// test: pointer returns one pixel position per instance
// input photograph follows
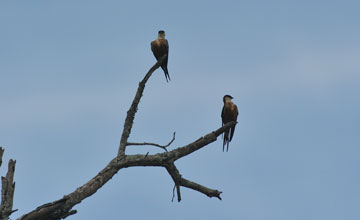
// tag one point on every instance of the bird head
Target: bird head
(161, 34)
(227, 98)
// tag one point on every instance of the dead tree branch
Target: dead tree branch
(153, 144)
(134, 106)
(199, 143)
(195, 186)
(179, 181)
(62, 208)
(47, 211)
(7, 189)
(176, 176)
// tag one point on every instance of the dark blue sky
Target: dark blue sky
(69, 71)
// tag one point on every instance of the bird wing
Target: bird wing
(166, 48)
(235, 112)
(160, 48)
(154, 49)
(234, 115)
(223, 115)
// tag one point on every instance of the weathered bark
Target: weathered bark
(7, 189)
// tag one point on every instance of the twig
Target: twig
(153, 144)
(15, 210)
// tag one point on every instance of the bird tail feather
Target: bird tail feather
(167, 76)
(226, 140)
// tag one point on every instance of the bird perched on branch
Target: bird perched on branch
(160, 47)
(229, 113)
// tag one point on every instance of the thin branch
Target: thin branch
(195, 186)
(153, 144)
(180, 181)
(176, 176)
(133, 108)
(160, 159)
(15, 210)
(199, 143)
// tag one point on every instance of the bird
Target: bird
(229, 113)
(160, 47)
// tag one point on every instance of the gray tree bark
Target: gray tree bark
(63, 207)
(7, 189)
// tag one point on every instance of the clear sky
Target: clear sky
(69, 71)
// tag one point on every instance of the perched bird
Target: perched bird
(229, 113)
(160, 47)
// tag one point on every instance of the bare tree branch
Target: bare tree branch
(198, 144)
(7, 189)
(153, 144)
(195, 186)
(133, 108)
(176, 176)
(179, 181)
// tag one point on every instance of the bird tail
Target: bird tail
(167, 76)
(226, 140)
(232, 132)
